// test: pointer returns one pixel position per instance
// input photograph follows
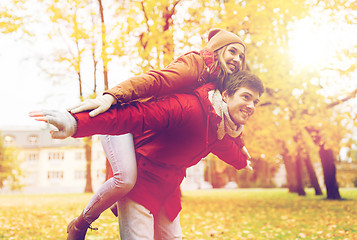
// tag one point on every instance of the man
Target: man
(171, 134)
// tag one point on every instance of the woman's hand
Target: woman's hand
(100, 105)
(63, 121)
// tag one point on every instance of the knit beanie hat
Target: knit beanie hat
(218, 38)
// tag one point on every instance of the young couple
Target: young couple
(164, 136)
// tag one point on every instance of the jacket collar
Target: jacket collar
(202, 93)
(208, 75)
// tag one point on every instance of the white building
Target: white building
(59, 165)
(195, 178)
(53, 165)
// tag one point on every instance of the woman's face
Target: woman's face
(233, 57)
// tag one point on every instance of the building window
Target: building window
(9, 140)
(33, 139)
(33, 157)
(100, 174)
(79, 156)
(31, 177)
(79, 175)
(55, 175)
(56, 156)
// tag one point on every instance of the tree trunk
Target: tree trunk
(104, 47)
(312, 175)
(95, 63)
(298, 164)
(290, 174)
(299, 176)
(328, 164)
(329, 170)
(88, 152)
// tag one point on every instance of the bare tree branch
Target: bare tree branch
(350, 96)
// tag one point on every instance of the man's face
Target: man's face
(233, 57)
(241, 105)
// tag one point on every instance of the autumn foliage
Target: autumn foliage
(307, 112)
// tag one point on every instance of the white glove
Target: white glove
(62, 120)
(249, 167)
(246, 153)
(99, 104)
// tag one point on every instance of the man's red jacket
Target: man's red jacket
(171, 134)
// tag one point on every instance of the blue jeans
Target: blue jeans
(120, 152)
(137, 223)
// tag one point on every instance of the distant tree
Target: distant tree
(11, 19)
(72, 23)
(149, 31)
(295, 98)
(352, 151)
(10, 171)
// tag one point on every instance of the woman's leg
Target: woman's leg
(120, 152)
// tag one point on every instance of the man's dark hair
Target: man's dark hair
(241, 79)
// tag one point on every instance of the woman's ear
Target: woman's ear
(224, 96)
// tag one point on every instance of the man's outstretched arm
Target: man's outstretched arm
(65, 123)
(133, 118)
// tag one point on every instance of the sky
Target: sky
(25, 87)
(24, 84)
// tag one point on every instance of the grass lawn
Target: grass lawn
(216, 214)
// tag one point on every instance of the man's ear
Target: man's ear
(224, 96)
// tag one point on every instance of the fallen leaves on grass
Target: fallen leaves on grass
(217, 214)
(267, 214)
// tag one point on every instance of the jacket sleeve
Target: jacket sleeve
(229, 151)
(183, 73)
(135, 118)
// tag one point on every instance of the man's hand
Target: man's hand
(63, 121)
(100, 105)
(246, 153)
(249, 167)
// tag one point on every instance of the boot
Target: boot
(77, 228)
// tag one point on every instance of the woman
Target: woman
(223, 55)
